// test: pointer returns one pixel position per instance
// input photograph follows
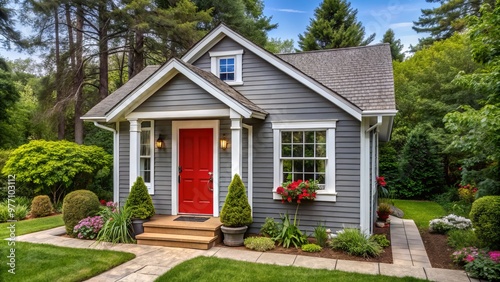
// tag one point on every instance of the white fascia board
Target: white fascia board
(305, 124)
(372, 113)
(97, 119)
(179, 114)
(209, 41)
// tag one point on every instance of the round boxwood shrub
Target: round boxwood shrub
(485, 216)
(41, 206)
(78, 205)
(236, 211)
(139, 201)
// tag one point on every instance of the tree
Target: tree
(396, 46)
(7, 32)
(278, 46)
(443, 21)
(8, 93)
(334, 26)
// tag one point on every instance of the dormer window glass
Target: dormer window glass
(226, 69)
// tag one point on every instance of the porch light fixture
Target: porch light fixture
(160, 144)
(223, 142)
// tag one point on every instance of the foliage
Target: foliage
(451, 202)
(450, 222)
(485, 216)
(89, 227)
(139, 201)
(311, 248)
(383, 192)
(421, 168)
(8, 94)
(32, 225)
(116, 228)
(381, 239)
(420, 211)
(334, 26)
(384, 208)
(396, 46)
(78, 205)
(55, 166)
(356, 243)
(260, 244)
(298, 190)
(41, 206)
(467, 193)
(270, 228)
(481, 264)
(458, 239)
(236, 211)
(12, 211)
(290, 232)
(320, 235)
(278, 46)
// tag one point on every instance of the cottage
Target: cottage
(228, 106)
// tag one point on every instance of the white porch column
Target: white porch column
(236, 144)
(135, 140)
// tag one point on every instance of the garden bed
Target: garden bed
(438, 251)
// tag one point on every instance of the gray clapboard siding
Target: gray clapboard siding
(124, 148)
(162, 198)
(286, 99)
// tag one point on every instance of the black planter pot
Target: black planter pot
(137, 226)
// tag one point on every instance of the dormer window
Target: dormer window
(227, 66)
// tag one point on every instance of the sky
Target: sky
(293, 17)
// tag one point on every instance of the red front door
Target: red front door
(195, 171)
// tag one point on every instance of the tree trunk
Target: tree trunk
(61, 119)
(79, 76)
(103, 51)
(138, 53)
(71, 41)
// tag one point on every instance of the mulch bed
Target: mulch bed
(438, 251)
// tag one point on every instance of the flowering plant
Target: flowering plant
(467, 193)
(89, 227)
(382, 190)
(103, 202)
(298, 190)
(449, 222)
(479, 263)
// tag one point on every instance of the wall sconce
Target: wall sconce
(160, 144)
(223, 142)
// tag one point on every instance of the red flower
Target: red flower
(289, 199)
(280, 190)
(381, 181)
(103, 202)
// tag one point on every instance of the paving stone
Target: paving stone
(313, 262)
(422, 264)
(399, 251)
(399, 261)
(445, 275)
(138, 277)
(402, 271)
(415, 252)
(357, 266)
(279, 259)
(416, 258)
(211, 252)
(154, 270)
(238, 254)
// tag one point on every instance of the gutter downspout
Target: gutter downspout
(379, 123)
(116, 194)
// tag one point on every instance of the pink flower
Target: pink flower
(469, 258)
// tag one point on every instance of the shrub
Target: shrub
(484, 266)
(458, 239)
(139, 201)
(320, 235)
(290, 233)
(4, 213)
(485, 215)
(89, 227)
(450, 222)
(467, 193)
(260, 244)
(356, 243)
(311, 248)
(116, 228)
(20, 212)
(41, 206)
(381, 239)
(78, 205)
(465, 255)
(270, 228)
(236, 211)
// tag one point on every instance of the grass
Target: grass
(215, 269)
(41, 262)
(420, 211)
(31, 225)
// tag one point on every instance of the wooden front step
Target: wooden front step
(162, 230)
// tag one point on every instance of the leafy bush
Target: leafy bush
(19, 200)
(484, 266)
(41, 206)
(4, 213)
(236, 211)
(20, 212)
(381, 239)
(320, 235)
(485, 215)
(89, 227)
(78, 205)
(116, 228)
(139, 201)
(450, 222)
(311, 248)
(356, 243)
(260, 244)
(458, 239)
(270, 228)
(290, 233)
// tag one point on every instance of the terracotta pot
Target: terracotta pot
(383, 215)
(233, 236)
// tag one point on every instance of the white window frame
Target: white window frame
(149, 185)
(329, 193)
(238, 64)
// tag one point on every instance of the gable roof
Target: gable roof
(362, 75)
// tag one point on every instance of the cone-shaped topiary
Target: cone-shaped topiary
(78, 205)
(139, 201)
(236, 211)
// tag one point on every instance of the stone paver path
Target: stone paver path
(406, 243)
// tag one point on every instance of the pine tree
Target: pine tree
(396, 46)
(334, 26)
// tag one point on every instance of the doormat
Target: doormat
(191, 218)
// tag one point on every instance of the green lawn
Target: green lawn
(220, 270)
(41, 262)
(420, 211)
(31, 225)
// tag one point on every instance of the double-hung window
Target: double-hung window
(305, 150)
(146, 166)
(227, 66)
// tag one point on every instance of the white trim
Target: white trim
(379, 112)
(180, 114)
(250, 164)
(364, 181)
(176, 125)
(150, 185)
(103, 119)
(217, 34)
(135, 139)
(226, 53)
(327, 195)
(236, 144)
(238, 64)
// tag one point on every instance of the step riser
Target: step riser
(188, 245)
(178, 231)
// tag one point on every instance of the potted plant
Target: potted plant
(140, 205)
(383, 211)
(236, 214)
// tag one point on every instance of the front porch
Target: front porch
(170, 231)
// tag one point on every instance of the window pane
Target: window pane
(223, 61)
(230, 76)
(309, 151)
(223, 76)
(230, 61)
(145, 143)
(145, 169)
(297, 136)
(320, 165)
(309, 176)
(146, 124)
(298, 151)
(230, 68)
(287, 166)
(320, 136)
(320, 178)
(320, 151)
(286, 151)
(309, 136)
(286, 137)
(309, 166)
(298, 166)
(223, 69)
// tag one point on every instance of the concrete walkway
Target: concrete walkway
(151, 261)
